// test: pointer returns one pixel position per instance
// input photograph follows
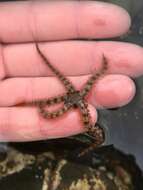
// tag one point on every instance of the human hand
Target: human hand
(24, 77)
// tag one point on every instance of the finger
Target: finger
(25, 124)
(112, 91)
(24, 60)
(107, 92)
(47, 21)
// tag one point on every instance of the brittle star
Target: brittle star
(72, 99)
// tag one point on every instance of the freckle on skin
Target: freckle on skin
(99, 22)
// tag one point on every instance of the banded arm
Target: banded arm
(91, 81)
(67, 84)
(54, 114)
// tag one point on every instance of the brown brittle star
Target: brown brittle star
(72, 99)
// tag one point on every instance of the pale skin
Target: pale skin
(24, 77)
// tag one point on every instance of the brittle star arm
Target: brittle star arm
(67, 84)
(54, 114)
(49, 102)
(94, 131)
(43, 102)
(83, 106)
(89, 84)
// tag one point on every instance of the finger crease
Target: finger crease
(3, 67)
